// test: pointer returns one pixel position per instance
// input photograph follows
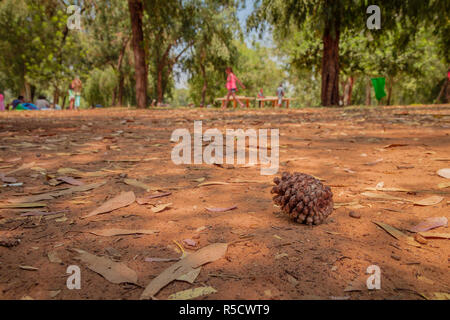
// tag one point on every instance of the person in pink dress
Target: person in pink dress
(232, 87)
(2, 102)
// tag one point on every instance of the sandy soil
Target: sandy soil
(350, 149)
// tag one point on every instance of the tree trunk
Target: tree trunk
(205, 85)
(391, 83)
(26, 91)
(121, 85)
(443, 90)
(55, 96)
(330, 63)
(159, 83)
(368, 93)
(348, 91)
(136, 8)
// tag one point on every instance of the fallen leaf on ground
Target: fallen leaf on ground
(430, 223)
(205, 255)
(444, 173)
(23, 205)
(138, 184)
(373, 162)
(190, 276)
(78, 173)
(397, 234)
(389, 189)
(28, 268)
(147, 199)
(122, 200)
(212, 183)
(192, 293)
(54, 293)
(345, 204)
(121, 232)
(40, 213)
(431, 235)
(71, 181)
(436, 296)
(114, 272)
(161, 207)
(22, 167)
(221, 209)
(381, 196)
(161, 259)
(431, 201)
(52, 195)
(393, 145)
(443, 185)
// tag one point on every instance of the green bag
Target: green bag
(378, 85)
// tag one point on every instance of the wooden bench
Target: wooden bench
(274, 101)
(245, 100)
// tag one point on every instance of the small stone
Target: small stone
(355, 215)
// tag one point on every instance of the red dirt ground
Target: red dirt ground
(276, 259)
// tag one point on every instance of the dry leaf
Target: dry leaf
(121, 232)
(443, 185)
(190, 276)
(205, 255)
(430, 223)
(122, 200)
(161, 207)
(221, 209)
(161, 259)
(212, 183)
(444, 173)
(28, 268)
(397, 234)
(389, 189)
(115, 272)
(381, 196)
(393, 145)
(23, 205)
(437, 296)
(71, 181)
(135, 183)
(52, 195)
(147, 199)
(431, 235)
(431, 201)
(22, 167)
(192, 293)
(41, 213)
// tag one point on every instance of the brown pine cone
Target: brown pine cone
(304, 198)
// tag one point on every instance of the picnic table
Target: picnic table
(245, 100)
(274, 101)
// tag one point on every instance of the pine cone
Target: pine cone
(304, 198)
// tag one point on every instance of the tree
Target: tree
(136, 9)
(333, 17)
(213, 49)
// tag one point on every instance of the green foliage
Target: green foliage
(100, 86)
